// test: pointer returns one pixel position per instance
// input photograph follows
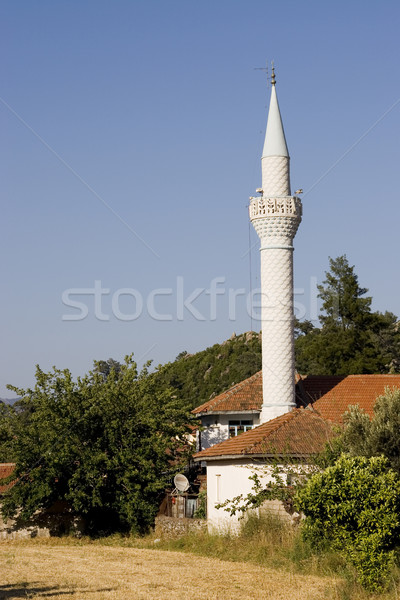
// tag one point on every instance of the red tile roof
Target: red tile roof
(330, 394)
(310, 388)
(5, 471)
(354, 389)
(246, 395)
(299, 433)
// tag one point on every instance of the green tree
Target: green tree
(102, 444)
(106, 366)
(7, 418)
(352, 338)
(378, 436)
(354, 508)
(341, 297)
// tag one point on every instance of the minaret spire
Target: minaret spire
(275, 156)
(276, 216)
(275, 141)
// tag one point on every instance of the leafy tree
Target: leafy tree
(302, 327)
(341, 298)
(102, 444)
(7, 416)
(354, 507)
(363, 436)
(352, 338)
(386, 339)
(106, 366)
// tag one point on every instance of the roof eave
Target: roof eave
(293, 455)
(247, 411)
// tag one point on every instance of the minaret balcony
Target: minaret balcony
(288, 206)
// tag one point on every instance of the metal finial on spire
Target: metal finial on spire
(275, 143)
(273, 79)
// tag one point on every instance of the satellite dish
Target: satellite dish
(181, 482)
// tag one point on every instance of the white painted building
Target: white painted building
(299, 433)
(296, 436)
(224, 479)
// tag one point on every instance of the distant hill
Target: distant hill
(9, 400)
(198, 377)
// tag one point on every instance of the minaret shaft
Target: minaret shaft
(276, 216)
(277, 332)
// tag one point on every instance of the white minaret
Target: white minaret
(276, 216)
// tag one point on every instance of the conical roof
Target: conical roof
(275, 141)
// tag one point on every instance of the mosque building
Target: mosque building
(278, 413)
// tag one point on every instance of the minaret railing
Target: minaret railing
(285, 205)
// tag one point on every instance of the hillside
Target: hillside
(9, 400)
(198, 377)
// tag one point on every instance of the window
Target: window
(236, 427)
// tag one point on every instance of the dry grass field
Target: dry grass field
(52, 570)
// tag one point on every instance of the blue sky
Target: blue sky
(131, 141)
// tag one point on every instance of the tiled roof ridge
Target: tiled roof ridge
(310, 389)
(281, 422)
(360, 375)
(355, 375)
(311, 408)
(357, 389)
(300, 413)
(239, 385)
(227, 393)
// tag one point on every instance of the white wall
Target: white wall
(225, 480)
(216, 427)
(212, 433)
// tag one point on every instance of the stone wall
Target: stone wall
(55, 521)
(172, 527)
(11, 529)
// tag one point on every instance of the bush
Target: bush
(354, 507)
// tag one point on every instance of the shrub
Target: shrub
(354, 507)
